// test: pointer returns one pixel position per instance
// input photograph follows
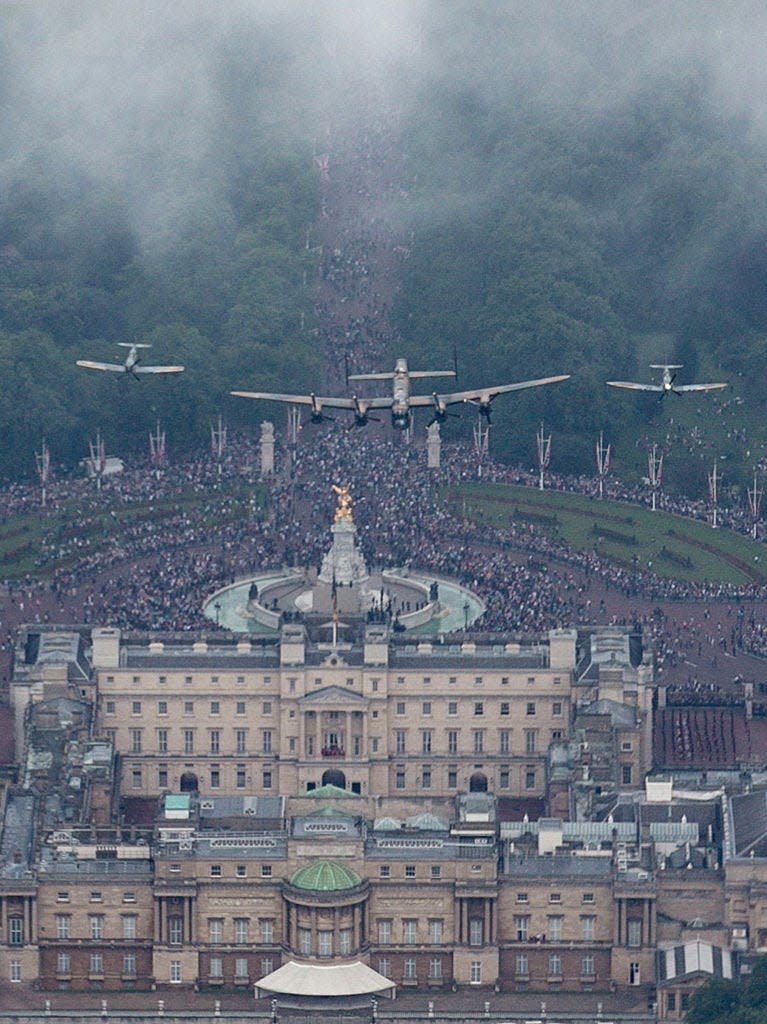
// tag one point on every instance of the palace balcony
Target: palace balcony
(333, 751)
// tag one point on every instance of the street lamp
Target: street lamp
(466, 607)
(217, 607)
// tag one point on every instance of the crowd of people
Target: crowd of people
(204, 520)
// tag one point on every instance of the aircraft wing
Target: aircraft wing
(91, 365)
(699, 387)
(158, 369)
(634, 387)
(316, 401)
(484, 394)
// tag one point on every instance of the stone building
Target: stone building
(287, 715)
(207, 811)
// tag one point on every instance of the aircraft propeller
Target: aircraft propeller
(361, 414)
(316, 414)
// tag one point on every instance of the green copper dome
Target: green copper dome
(325, 876)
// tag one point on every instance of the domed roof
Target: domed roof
(325, 876)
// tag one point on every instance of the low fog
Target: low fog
(150, 107)
(582, 186)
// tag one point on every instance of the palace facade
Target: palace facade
(203, 810)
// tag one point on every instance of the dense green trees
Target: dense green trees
(575, 204)
(588, 218)
(227, 298)
(720, 1001)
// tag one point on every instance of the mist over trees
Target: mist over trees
(587, 213)
(585, 194)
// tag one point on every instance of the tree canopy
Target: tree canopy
(577, 199)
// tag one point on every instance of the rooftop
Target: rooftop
(325, 876)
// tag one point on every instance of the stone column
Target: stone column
(267, 448)
(433, 446)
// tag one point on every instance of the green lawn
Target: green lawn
(629, 535)
(22, 536)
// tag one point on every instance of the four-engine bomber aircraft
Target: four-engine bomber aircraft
(401, 402)
(132, 362)
(667, 382)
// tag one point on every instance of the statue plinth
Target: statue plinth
(344, 563)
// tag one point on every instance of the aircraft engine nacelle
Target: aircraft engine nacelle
(316, 413)
(485, 409)
(440, 409)
(360, 412)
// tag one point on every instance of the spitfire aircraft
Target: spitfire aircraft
(401, 402)
(667, 382)
(132, 363)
